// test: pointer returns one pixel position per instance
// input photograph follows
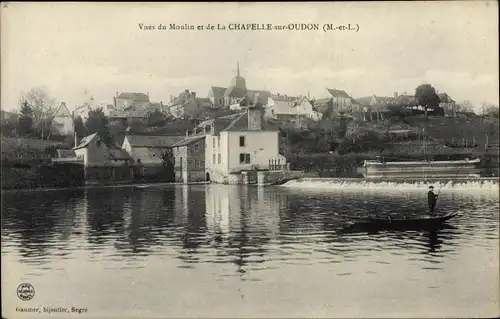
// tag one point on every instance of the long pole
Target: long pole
(74, 127)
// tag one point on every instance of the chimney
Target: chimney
(187, 133)
(147, 93)
(395, 94)
(406, 93)
(194, 131)
(193, 95)
(116, 94)
(171, 98)
(255, 118)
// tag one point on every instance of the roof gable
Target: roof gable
(303, 99)
(240, 124)
(445, 98)
(218, 90)
(338, 93)
(62, 111)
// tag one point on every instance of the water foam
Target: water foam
(484, 185)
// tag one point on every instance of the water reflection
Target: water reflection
(249, 227)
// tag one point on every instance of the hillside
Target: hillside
(441, 134)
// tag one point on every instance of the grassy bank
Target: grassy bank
(41, 176)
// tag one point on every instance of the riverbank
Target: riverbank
(99, 186)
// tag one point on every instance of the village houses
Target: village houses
(283, 107)
(342, 102)
(448, 104)
(230, 97)
(376, 106)
(124, 101)
(188, 106)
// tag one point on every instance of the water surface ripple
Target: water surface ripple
(232, 251)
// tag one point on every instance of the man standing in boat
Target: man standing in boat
(431, 198)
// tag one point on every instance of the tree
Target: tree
(352, 131)
(79, 127)
(465, 106)
(156, 117)
(43, 107)
(9, 127)
(25, 121)
(97, 122)
(427, 97)
(167, 161)
(489, 110)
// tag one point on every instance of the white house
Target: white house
(63, 120)
(280, 105)
(304, 108)
(241, 142)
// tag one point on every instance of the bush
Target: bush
(361, 142)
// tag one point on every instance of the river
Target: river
(237, 251)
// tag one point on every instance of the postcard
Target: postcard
(237, 160)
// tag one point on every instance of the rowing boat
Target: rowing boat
(428, 221)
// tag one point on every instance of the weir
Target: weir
(486, 184)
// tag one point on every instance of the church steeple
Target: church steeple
(237, 68)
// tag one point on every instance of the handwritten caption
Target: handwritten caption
(325, 27)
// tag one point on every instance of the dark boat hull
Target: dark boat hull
(402, 223)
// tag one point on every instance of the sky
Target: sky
(78, 50)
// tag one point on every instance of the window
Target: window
(213, 159)
(195, 163)
(98, 143)
(219, 158)
(244, 158)
(213, 145)
(218, 142)
(242, 141)
(180, 161)
(196, 147)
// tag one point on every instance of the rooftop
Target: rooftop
(86, 141)
(159, 141)
(189, 140)
(138, 97)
